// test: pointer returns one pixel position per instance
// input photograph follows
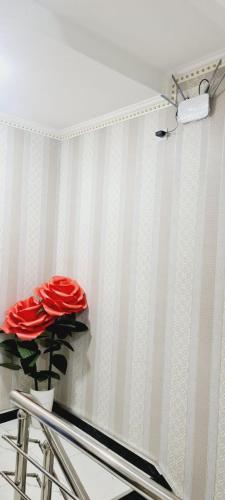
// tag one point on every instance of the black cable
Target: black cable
(199, 87)
(173, 130)
(165, 133)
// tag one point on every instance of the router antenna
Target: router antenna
(178, 87)
(213, 76)
(169, 100)
(217, 86)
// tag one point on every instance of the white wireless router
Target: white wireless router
(195, 108)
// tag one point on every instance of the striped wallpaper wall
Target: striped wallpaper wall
(29, 185)
(141, 224)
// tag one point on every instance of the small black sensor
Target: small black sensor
(161, 133)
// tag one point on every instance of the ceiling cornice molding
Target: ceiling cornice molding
(196, 70)
(118, 116)
(123, 114)
(29, 126)
(204, 64)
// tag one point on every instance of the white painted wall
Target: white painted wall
(141, 225)
(29, 182)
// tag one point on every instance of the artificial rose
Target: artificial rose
(61, 296)
(27, 319)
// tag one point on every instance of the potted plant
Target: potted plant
(39, 327)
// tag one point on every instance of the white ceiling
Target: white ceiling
(164, 33)
(66, 61)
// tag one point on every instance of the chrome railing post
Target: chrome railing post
(118, 466)
(36, 464)
(65, 464)
(22, 443)
(48, 461)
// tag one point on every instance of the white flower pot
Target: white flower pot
(43, 398)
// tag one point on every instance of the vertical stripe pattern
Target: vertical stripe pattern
(148, 245)
(180, 329)
(29, 176)
(140, 224)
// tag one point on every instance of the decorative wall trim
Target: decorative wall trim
(207, 68)
(29, 126)
(123, 114)
(120, 115)
(197, 72)
(211, 60)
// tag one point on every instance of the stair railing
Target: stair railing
(53, 427)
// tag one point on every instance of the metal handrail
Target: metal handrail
(40, 468)
(118, 466)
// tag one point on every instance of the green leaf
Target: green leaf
(27, 349)
(62, 333)
(60, 362)
(10, 366)
(80, 327)
(67, 325)
(10, 345)
(68, 319)
(56, 346)
(53, 348)
(25, 366)
(33, 359)
(35, 375)
(29, 362)
(43, 375)
(55, 375)
(66, 344)
(31, 345)
(33, 362)
(25, 353)
(45, 342)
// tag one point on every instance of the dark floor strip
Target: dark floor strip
(8, 415)
(113, 445)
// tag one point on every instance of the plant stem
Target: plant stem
(35, 379)
(50, 361)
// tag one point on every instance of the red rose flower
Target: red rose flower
(61, 296)
(27, 319)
